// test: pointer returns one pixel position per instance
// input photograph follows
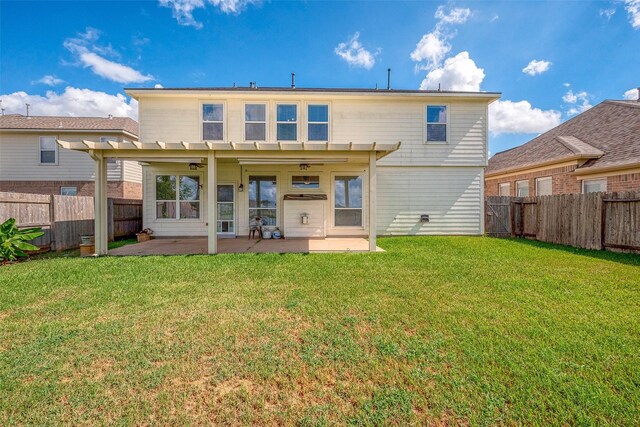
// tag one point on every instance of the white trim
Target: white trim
(266, 120)
(447, 123)
(55, 150)
(202, 121)
(541, 179)
(601, 180)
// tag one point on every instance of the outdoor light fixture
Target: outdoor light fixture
(304, 166)
(241, 187)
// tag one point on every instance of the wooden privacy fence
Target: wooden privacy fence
(65, 218)
(591, 221)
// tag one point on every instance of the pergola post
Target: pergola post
(212, 207)
(100, 204)
(372, 201)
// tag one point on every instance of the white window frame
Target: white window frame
(203, 121)
(528, 188)
(543, 178)
(365, 201)
(276, 122)
(506, 185)
(601, 180)
(328, 122)
(62, 190)
(178, 175)
(248, 174)
(245, 121)
(425, 123)
(55, 150)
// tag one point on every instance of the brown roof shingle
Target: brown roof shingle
(607, 134)
(17, 121)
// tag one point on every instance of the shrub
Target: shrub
(13, 241)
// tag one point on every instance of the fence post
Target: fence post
(603, 221)
(52, 223)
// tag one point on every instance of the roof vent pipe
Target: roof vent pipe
(388, 78)
(27, 105)
(293, 80)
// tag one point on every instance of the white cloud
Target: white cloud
(457, 73)
(633, 9)
(536, 67)
(456, 15)
(520, 117)
(631, 94)
(183, 9)
(355, 54)
(87, 53)
(566, 84)
(72, 102)
(433, 47)
(579, 102)
(607, 13)
(158, 86)
(48, 80)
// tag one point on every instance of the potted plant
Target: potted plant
(144, 235)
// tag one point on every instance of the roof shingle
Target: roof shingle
(17, 121)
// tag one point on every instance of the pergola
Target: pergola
(244, 152)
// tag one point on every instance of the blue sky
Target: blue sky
(550, 59)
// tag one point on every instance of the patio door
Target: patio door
(226, 209)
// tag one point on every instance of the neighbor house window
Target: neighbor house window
(504, 189)
(263, 193)
(318, 122)
(255, 122)
(436, 123)
(48, 150)
(348, 201)
(110, 160)
(212, 122)
(522, 188)
(287, 122)
(543, 186)
(594, 185)
(177, 197)
(68, 191)
(308, 182)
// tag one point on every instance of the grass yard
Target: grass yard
(441, 330)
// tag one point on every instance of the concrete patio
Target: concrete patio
(198, 245)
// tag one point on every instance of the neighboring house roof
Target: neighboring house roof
(605, 136)
(62, 123)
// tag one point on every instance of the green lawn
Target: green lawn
(442, 330)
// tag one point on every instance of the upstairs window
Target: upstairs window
(436, 123)
(255, 122)
(48, 150)
(318, 122)
(287, 122)
(213, 122)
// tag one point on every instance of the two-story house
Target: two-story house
(312, 162)
(31, 161)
